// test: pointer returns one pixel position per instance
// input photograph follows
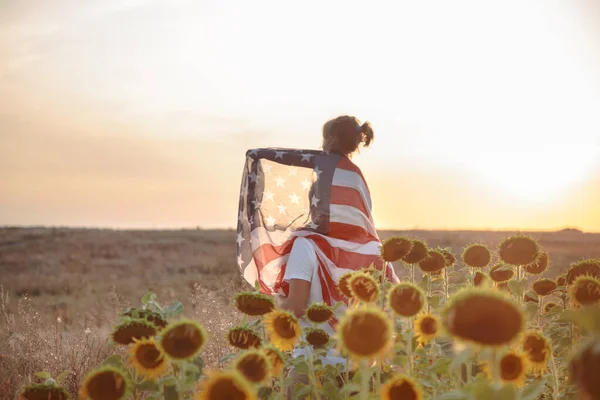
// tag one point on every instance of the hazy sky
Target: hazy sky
(134, 113)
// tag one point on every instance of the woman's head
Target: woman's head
(345, 133)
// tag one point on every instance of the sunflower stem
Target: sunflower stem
(555, 389)
(409, 346)
(446, 283)
(412, 273)
(364, 380)
(494, 369)
(311, 370)
(378, 376)
(282, 392)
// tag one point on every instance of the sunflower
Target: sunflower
(147, 359)
(243, 338)
(543, 287)
(484, 317)
(395, 248)
(182, 340)
(479, 278)
(254, 365)
(319, 313)
(503, 286)
(538, 266)
(43, 391)
(513, 368)
(277, 361)
(561, 280)
(501, 275)
(365, 332)
(584, 267)
(363, 287)
(401, 387)
(127, 332)
(584, 366)
(283, 329)
(406, 299)
(537, 349)
(530, 297)
(343, 286)
(585, 291)
(254, 303)
(427, 327)
(106, 383)
(226, 385)
(450, 259)
(518, 250)
(317, 337)
(434, 262)
(149, 315)
(418, 252)
(477, 256)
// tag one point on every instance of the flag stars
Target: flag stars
(280, 181)
(317, 171)
(293, 171)
(256, 204)
(241, 216)
(279, 154)
(253, 177)
(270, 220)
(312, 225)
(240, 239)
(294, 198)
(267, 169)
(306, 157)
(269, 195)
(282, 209)
(314, 201)
(305, 184)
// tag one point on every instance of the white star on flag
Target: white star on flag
(270, 220)
(240, 239)
(267, 169)
(253, 177)
(254, 152)
(318, 171)
(293, 171)
(279, 154)
(240, 261)
(256, 204)
(282, 209)
(305, 184)
(269, 195)
(306, 157)
(241, 216)
(280, 181)
(294, 198)
(314, 201)
(312, 225)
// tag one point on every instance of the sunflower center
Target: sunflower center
(417, 253)
(429, 326)
(402, 391)
(343, 286)
(544, 287)
(125, 334)
(519, 251)
(252, 305)
(433, 263)
(406, 301)
(106, 385)
(182, 341)
(226, 389)
(253, 367)
(364, 289)
(587, 292)
(317, 338)
(535, 347)
(365, 325)
(511, 367)
(243, 339)
(486, 320)
(284, 327)
(477, 256)
(148, 356)
(319, 314)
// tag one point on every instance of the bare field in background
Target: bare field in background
(63, 288)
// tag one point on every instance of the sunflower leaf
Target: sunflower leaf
(226, 358)
(532, 391)
(114, 360)
(147, 386)
(61, 377)
(173, 310)
(43, 375)
(301, 390)
(453, 395)
(170, 392)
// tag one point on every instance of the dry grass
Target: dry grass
(62, 288)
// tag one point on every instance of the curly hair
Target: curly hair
(345, 133)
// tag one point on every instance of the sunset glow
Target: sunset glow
(138, 113)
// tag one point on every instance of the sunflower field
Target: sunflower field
(482, 325)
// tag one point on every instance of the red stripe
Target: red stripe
(268, 252)
(347, 196)
(348, 165)
(351, 233)
(344, 258)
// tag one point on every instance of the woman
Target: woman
(300, 255)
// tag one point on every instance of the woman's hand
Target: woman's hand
(297, 299)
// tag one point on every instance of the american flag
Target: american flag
(322, 196)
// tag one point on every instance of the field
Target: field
(63, 289)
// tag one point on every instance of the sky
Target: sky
(138, 113)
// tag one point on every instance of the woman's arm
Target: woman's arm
(297, 299)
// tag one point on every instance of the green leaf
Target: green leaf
(227, 358)
(61, 377)
(114, 360)
(257, 285)
(434, 301)
(301, 390)
(350, 388)
(43, 375)
(453, 395)
(587, 318)
(302, 368)
(461, 358)
(440, 365)
(532, 309)
(199, 362)
(170, 393)
(533, 390)
(173, 310)
(146, 298)
(516, 288)
(147, 386)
